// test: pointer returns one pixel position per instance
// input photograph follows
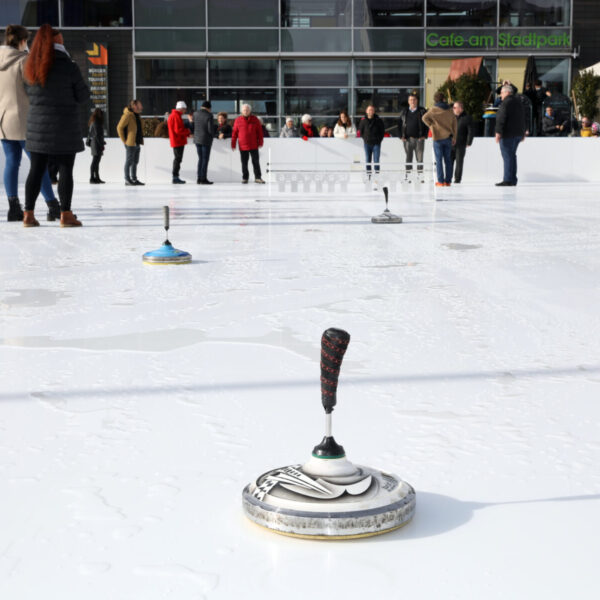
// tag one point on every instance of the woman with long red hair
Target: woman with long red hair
(55, 87)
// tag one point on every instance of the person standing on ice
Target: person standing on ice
(55, 88)
(442, 122)
(96, 143)
(204, 132)
(14, 106)
(372, 131)
(247, 132)
(178, 135)
(510, 132)
(130, 132)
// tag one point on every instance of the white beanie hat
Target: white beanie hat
(180, 104)
(306, 118)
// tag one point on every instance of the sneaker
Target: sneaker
(244, 181)
(505, 183)
(259, 180)
(138, 182)
(446, 184)
(204, 182)
(177, 180)
(439, 184)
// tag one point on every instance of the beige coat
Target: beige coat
(127, 127)
(14, 104)
(442, 122)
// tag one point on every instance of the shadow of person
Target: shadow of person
(437, 514)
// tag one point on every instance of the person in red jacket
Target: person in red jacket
(247, 131)
(178, 135)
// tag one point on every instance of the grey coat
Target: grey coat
(288, 132)
(53, 125)
(204, 127)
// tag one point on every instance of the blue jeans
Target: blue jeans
(508, 148)
(372, 152)
(443, 159)
(13, 150)
(132, 157)
(203, 156)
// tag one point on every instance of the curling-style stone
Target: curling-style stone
(166, 254)
(386, 216)
(328, 497)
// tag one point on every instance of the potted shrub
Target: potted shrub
(585, 93)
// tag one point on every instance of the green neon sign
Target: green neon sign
(504, 40)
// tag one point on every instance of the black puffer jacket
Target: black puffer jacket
(510, 118)
(96, 136)
(53, 125)
(371, 130)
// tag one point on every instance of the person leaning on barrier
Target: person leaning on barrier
(510, 132)
(442, 122)
(372, 131)
(289, 130)
(223, 129)
(464, 138)
(204, 131)
(413, 132)
(247, 132)
(129, 129)
(344, 128)
(307, 129)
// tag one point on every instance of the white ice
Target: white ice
(138, 401)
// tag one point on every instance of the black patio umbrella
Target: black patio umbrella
(531, 74)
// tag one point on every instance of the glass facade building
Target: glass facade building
(289, 57)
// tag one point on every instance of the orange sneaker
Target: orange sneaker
(438, 184)
(446, 185)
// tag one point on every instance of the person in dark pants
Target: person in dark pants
(510, 131)
(14, 107)
(130, 132)
(442, 122)
(96, 143)
(55, 88)
(204, 131)
(247, 132)
(178, 135)
(464, 138)
(372, 130)
(413, 132)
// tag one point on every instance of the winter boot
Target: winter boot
(53, 213)
(15, 212)
(29, 220)
(67, 219)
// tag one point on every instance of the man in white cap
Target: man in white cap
(178, 135)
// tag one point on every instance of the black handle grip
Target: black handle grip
(166, 217)
(333, 347)
(385, 193)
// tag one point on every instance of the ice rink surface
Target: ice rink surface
(137, 401)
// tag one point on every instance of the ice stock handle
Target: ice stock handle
(334, 343)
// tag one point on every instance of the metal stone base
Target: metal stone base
(167, 255)
(387, 504)
(386, 217)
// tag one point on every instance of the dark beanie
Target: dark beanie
(206, 104)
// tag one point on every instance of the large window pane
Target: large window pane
(96, 13)
(170, 40)
(462, 13)
(159, 101)
(165, 13)
(387, 101)
(554, 73)
(525, 13)
(316, 13)
(315, 40)
(170, 71)
(29, 13)
(243, 13)
(243, 40)
(316, 72)
(388, 13)
(397, 73)
(263, 102)
(243, 72)
(315, 101)
(388, 40)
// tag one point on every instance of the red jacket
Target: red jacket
(178, 132)
(248, 132)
